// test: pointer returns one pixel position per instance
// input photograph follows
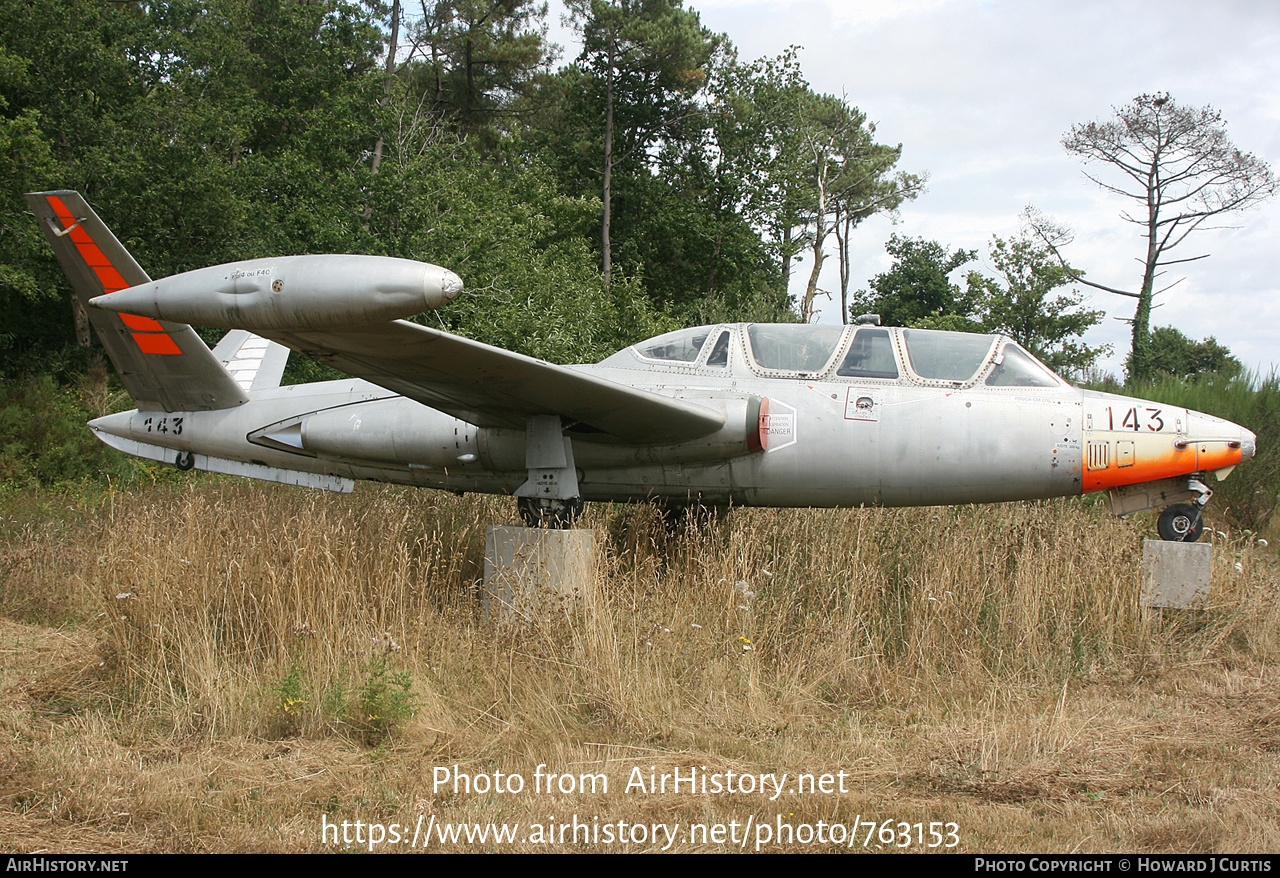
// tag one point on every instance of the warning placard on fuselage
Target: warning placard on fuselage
(863, 404)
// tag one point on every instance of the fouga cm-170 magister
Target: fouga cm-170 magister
(749, 414)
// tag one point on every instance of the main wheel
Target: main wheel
(1181, 523)
(554, 514)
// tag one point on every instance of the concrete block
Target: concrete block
(534, 573)
(1176, 575)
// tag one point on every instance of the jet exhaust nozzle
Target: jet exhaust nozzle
(292, 292)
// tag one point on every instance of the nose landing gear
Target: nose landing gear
(1183, 522)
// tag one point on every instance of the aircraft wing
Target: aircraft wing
(492, 387)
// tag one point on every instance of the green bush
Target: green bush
(382, 703)
(44, 440)
(290, 699)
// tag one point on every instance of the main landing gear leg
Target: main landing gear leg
(550, 498)
(1184, 522)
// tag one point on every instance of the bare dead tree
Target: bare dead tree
(1179, 165)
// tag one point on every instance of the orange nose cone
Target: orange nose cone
(1134, 441)
(1218, 455)
(1218, 443)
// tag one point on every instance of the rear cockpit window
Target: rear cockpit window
(719, 355)
(1016, 368)
(793, 347)
(870, 356)
(946, 356)
(681, 346)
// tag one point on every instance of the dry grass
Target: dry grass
(220, 667)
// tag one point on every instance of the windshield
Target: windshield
(1016, 368)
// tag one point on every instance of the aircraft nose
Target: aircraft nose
(1219, 442)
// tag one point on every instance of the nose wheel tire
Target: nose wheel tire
(1181, 523)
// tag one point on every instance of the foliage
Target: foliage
(36, 323)
(918, 290)
(290, 699)
(1179, 166)
(532, 285)
(1173, 354)
(801, 166)
(714, 174)
(477, 64)
(206, 133)
(1020, 302)
(203, 133)
(760, 168)
(373, 709)
(642, 63)
(1022, 305)
(43, 437)
(849, 179)
(687, 248)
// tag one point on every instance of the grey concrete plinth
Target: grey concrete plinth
(531, 573)
(1176, 575)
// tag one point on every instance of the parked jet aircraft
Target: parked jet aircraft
(751, 414)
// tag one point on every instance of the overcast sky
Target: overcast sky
(979, 94)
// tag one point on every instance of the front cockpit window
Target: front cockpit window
(786, 347)
(946, 356)
(870, 356)
(1016, 368)
(681, 346)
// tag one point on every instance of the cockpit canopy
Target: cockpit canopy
(786, 350)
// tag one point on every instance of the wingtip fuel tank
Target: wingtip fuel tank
(292, 292)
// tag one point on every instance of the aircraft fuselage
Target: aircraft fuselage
(825, 440)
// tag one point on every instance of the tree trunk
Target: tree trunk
(1140, 355)
(390, 70)
(785, 266)
(820, 231)
(842, 245)
(607, 193)
(811, 291)
(367, 213)
(84, 337)
(715, 261)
